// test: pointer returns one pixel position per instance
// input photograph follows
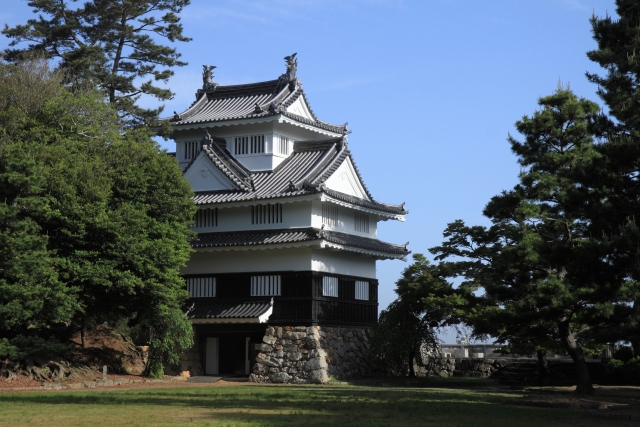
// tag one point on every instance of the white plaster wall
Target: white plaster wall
(287, 259)
(300, 108)
(255, 162)
(345, 180)
(203, 175)
(342, 262)
(297, 133)
(294, 215)
(346, 220)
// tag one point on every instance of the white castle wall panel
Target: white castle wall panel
(346, 220)
(294, 215)
(287, 259)
(343, 262)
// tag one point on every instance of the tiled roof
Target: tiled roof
(303, 172)
(395, 209)
(211, 309)
(295, 235)
(252, 238)
(240, 101)
(345, 239)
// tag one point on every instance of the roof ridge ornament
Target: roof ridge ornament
(207, 138)
(207, 78)
(292, 67)
(274, 109)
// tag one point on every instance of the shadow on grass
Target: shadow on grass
(309, 406)
(258, 398)
(450, 382)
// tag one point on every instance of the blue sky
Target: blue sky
(430, 88)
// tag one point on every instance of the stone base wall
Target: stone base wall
(314, 354)
(189, 361)
(452, 367)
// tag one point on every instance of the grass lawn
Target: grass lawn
(335, 405)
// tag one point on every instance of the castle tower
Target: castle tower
(283, 279)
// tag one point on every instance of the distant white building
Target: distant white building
(287, 229)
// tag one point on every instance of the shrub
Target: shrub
(629, 372)
(21, 348)
(614, 365)
(624, 354)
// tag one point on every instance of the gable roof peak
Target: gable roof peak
(283, 96)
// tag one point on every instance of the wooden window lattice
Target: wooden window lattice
(252, 144)
(361, 222)
(283, 145)
(266, 214)
(191, 149)
(329, 286)
(201, 287)
(330, 215)
(206, 218)
(362, 290)
(266, 286)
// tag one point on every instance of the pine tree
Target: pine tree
(543, 275)
(614, 178)
(406, 332)
(109, 43)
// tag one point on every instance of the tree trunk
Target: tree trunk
(634, 338)
(82, 337)
(412, 372)
(635, 344)
(543, 366)
(568, 340)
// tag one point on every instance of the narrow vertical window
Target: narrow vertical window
(329, 286)
(282, 144)
(257, 144)
(362, 290)
(265, 286)
(206, 218)
(253, 144)
(191, 149)
(361, 221)
(201, 287)
(330, 215)
(266, 214)
(241, 145)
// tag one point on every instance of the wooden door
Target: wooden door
(211, 356)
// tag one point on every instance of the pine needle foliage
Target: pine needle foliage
(542, 276)
(113, 44)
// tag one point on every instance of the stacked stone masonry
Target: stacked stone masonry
(189, 361)
(301, 355)
(451, 367)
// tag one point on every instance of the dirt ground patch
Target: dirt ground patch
(613, 402)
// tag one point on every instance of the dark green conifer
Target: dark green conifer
(110, 43)
(543, 276)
